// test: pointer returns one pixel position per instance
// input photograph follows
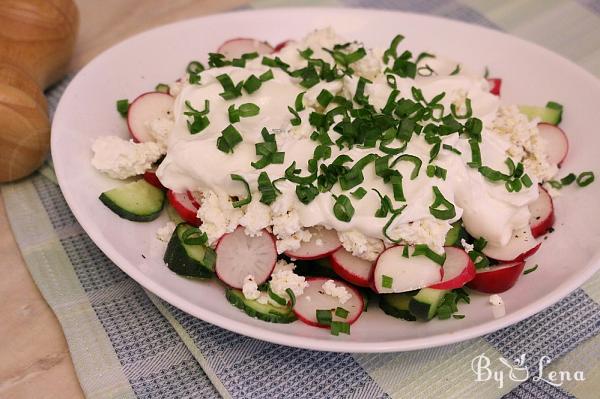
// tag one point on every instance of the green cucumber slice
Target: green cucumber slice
(396, 305)
(189, 260)
(424, 305)
(138, 201)
(266, 312)
(546, 114)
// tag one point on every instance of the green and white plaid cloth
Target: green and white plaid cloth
(125, 342)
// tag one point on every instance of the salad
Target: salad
(317, 176)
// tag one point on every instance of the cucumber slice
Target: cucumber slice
(454, 235)
(266, 312)
(424, 305)
(396, 305)
(546, 114)
(173, 215)
(189, 260)
(138, 201)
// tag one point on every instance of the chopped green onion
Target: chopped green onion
(268, 151)
(281, 301)
(458, 316)
(324, 316)
(162, 88)
(354, 176)
(585, 179)
(479, 244)
(341, 312)
(193, 236)
(423, 249)
(268, 191)
(343, 209)
(338, 327)
(468, 112)
(248, 109)
(199, 120)
(441, 208)
(298, 103)
(229, 138)
(395, 214)
(531, 270)
(123, 107)
(568, 179)
(492, 174)
(291, 295)
(456, 70)
(386, 281)
(248, 199)
(526, 180)
(450, 148)
(410, 158)
(392, 51)
(324, 98)
(306, 193)
(230, 90)
(291, 173)
(359, 193)
(405, 252)
(252, 84)
(268, 75)
(396, 181)
(295, 121)
(194, 67)
(233, 114)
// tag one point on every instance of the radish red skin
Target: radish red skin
(541, 226)
(468, 274)
(497, 281)
(186, 214)
(348, 276)
(321, 280)
(280, 46)
(150, 177)
(496, 84)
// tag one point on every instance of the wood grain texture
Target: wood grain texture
(39, 365)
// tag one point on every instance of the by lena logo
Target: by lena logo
(519, 372)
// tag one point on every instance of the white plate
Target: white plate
(531, 75)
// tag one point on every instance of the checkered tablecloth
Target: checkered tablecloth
(126, 342)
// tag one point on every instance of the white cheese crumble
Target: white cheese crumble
(466, 246)
(360, 245)
(340, 292)
(257, 217)
(218, 216)
(428, 231)
(121, 159)
(165, 232)
(282, 278)
(159, 129)
(525, 143)
(498, 308)
(286, 225)
(250, 288)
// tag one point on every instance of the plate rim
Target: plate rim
(282, 338)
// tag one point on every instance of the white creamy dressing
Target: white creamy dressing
(194, 162)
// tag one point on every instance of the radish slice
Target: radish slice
(144, 109)
(458, 269)
(322, 243)
(234, 48)
(407, 274)
(542, 213)
(556, 142)
(351, 268)
(150, 177)
(496, 279)
(314, 298)
(184, 207)
(194, 198)
(495, 85)
(281, 45)
(239, 255)
(521, 246)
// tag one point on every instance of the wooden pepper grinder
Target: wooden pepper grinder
(36, 42)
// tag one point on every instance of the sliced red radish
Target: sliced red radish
(322, 244)
(239, 255)
(498, 278)
(314, 298)
(144, 109)
(150, 177)
(281, 45)
(406, 273)
(234, 48)
(556, 142)
(495, 85)
(184, 207)
(352, 268)
(458, 269)
(542, 213)
(195, 198)
(521, 246)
